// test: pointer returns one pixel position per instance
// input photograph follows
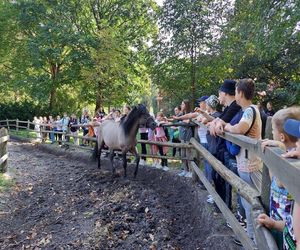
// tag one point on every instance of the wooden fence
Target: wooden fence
(4, 137)
(287, 169)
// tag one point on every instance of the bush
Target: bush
(22, 110)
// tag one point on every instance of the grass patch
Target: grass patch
(5, 182)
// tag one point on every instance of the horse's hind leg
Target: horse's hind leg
(137, 160)
(100, 146)
(111, 157)
(124, 163)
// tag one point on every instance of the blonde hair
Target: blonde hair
(282, 115)
(161, 114)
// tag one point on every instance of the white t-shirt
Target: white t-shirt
(246, 160)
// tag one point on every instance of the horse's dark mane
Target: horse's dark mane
(128, 121)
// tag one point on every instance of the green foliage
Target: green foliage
(258, 39)
(5, 182)
(65, 54)
(22, 110)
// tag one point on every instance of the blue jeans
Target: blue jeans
(208, 170)
(233, 167)
(247, 177)
(228, 188)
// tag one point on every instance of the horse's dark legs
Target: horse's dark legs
(137, 160)
(111, 157)
(124, 163)
(100, 146)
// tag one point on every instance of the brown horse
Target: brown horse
(122, 135)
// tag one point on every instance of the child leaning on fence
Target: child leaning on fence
(281, 201)
(160, 136)
(290, 226)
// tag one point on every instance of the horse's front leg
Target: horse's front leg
(137, 160)
(124, 163)
(111, 157)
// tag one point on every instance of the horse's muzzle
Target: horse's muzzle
(153, 125)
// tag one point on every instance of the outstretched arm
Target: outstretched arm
(186, 116)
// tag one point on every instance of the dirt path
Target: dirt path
(63, 203)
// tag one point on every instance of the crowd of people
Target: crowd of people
(232, 111)
(240, 116)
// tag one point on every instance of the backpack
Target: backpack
(231, 147)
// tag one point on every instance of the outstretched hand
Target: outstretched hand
(266, 221)
(292, 154)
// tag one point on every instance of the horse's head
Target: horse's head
(146, 119)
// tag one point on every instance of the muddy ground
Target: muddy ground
(62, 201)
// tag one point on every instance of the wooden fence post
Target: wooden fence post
(197, 158)
(3, 150)
(28, 124)
(17, 125)
(7, 124)
(266, 182)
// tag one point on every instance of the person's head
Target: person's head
(117, 113)
(278, 122)
(58, 117)
(292, 128)
(185, 106)
(126, 109)
(201, 102)
(65, 114)
(212, 103)
(177, 110)
(227, 91)
(259, 105)
(45, 119)
(244, 90)
(269, 106)
(160, 116)
(73, 116)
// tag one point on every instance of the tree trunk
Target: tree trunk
(99, 97)
(54, 69)
(193, 77)
(52, 99)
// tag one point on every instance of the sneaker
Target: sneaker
(158, 166)
(228, 225)
(142, 162)
(236, 241)
(210, 200)
(165, 168)
(183, 173)
(189, 175)
(209, 196)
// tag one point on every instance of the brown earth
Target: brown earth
(62, 201)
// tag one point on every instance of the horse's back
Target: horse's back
(110, 134)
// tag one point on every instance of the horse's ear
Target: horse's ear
(142, 107)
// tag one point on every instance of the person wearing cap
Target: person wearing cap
(227, 99)
(291, 225)
(218, 146)
(191, 115)
(292, 127)
(212, 103)
(202, 131)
